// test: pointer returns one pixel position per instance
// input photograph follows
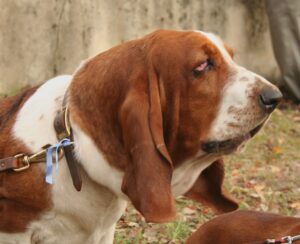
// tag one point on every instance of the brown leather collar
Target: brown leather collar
(9, 163)
(21, 162)
(64, 130)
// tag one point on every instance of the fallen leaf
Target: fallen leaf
(150, 235)
(296, 205)
(275, 169)
(189, 211)
(296, 118)
(277, 150)
(259, 188)
(132, 224)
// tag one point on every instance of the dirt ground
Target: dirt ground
(264, 177)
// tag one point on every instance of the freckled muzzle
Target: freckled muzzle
(268, 99)
(229, 146)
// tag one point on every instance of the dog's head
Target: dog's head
(153, 103)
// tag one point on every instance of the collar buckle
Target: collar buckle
(25, 161)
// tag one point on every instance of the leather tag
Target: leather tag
(73, 165)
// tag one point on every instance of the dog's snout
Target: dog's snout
(269, 99)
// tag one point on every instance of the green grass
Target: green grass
(264, 177)
(177, 230)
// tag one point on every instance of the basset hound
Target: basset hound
(150, 118)
(248, 227)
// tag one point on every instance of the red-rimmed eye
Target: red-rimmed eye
(202, 68)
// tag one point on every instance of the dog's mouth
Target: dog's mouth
(230, 145)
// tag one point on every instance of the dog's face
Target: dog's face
(209, 103)
(163, 100)
(246, 103)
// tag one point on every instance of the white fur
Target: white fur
(238, 112)
(88, 216)
(187, 173)
(219, 44)
(235, 96)
(101, 172)
(94, 163)
(36, 116)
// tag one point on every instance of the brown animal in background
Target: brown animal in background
(149, 119)
(246, 227)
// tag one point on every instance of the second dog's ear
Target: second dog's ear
(208, 189)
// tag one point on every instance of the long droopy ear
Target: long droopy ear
(147, 179)
(208, 189)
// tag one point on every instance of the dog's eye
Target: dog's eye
(203, 67)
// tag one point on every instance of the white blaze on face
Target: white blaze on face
(239, 109)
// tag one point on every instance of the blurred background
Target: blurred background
(42, 39)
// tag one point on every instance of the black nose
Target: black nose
(269, 99)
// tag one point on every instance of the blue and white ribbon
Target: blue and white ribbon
(49, 160)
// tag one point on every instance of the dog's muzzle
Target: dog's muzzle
(230, 145)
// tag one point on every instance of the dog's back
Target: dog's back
(14, 215)
(9, 107)
(245, 227)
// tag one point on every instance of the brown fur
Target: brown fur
(145, 111)
(128, 119)
(24, 195)
(241, 227)
(208, 189)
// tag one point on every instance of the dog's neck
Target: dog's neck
(69, 207)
